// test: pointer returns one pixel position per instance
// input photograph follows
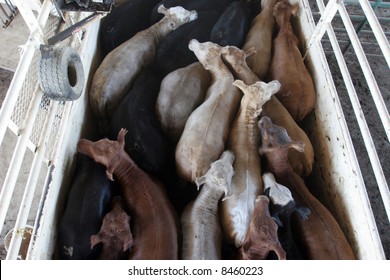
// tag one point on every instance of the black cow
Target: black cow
(233, 25)
(173, 52)
(145, 142)
(123, 22)
(87, 202)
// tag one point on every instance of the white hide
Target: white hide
(278, 194)
(202, 235)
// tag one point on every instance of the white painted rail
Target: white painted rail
(370, 78)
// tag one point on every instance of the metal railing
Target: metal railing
(8, 11)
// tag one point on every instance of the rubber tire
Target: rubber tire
(61, 75)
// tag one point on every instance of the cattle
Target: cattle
(123, 22)
(87, 201)
(259, 38)
(120, 67)
(145, 142)
(181, 92)
(262, 236)
(155, 223)
(297, 93)
(284, 210)
(173, 52)
(302, 163)
(206, 130)
(233, 24)
(198, 5)
(202, 234)
(115, 233)
(243, 140)
(320, 234)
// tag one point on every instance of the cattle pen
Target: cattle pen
(42, 134)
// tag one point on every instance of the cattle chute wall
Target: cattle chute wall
(44, 133)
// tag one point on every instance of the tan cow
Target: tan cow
(206, 130)
(244, 139)
(121, 66)
(181, 92)
(202, 234)
(259, 38)
(297, 93)
(302, 163)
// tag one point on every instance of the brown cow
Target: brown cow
(115, 233)
(262, 236)
(115, 75)
(297, 93)
(155, 222)
(259, 38)
(301, 163)
(321, 235)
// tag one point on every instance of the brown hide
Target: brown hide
(259, 37)
(181, 92)
(321, 235)
(121, 66)
(115, 233)
(301, 163)
(155, 222)
(262, 236)
(297, 93)
(206, 130)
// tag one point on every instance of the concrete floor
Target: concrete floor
(15, 35)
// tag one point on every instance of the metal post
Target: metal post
(21, 71)
(322, 25)
(376, 28)
(31, 184)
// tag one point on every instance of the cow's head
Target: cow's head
(262, 236)
(275, 137)
(235, 57)
(256, 95)
(206, 52)
(220, 174)
(177, 16)
(106, 152)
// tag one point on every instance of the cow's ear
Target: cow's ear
(298, 145)
(295, 10)
(121, 136)
(128, 242)
(162, 10)
(241, 85)
(109, 174)
(249, 52)
(95, 239)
